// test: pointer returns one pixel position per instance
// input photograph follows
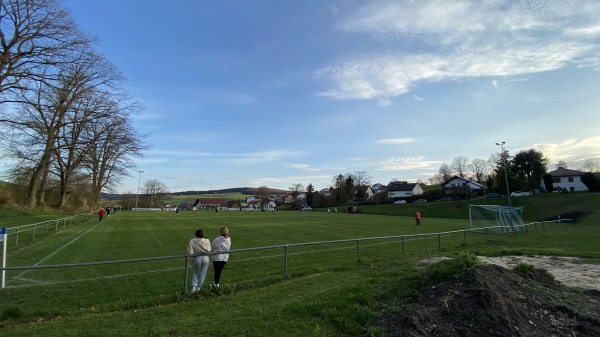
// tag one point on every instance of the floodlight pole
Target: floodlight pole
(138, 192)
(506, 180)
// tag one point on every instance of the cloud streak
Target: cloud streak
(395, 141)
(462, 39)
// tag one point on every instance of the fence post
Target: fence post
(357, 250)
(285, 262)
(402, 245)
(17, 237)
(185, 275)
(56, 227)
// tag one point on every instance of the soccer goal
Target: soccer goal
(508, 219)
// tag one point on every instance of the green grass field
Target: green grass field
(327, 291)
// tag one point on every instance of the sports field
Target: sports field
(278, 290)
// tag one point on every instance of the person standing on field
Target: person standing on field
(199, 245)
(101, 213)
(221, 244)
(418, 218)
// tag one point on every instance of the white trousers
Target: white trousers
(200, 265)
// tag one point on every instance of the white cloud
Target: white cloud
(407, 163)
(395, 141)
(570, 150)
(418, 98)
(460, 39)
(304, 167)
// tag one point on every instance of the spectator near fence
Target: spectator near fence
(221, 244)
(199, 245)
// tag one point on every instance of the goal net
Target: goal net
(506, 219)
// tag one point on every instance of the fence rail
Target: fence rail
(494, 230)
(18, 230)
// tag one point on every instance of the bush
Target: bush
(5, 195)
(12, 312)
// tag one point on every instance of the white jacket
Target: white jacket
(198, 246)
(221, 244)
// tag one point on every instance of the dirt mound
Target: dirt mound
(491, 300)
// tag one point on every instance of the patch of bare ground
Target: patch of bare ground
(491, 300)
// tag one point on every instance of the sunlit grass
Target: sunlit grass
(331, 289)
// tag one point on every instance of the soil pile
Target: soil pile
(491, 300)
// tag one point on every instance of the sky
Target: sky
(274, 93)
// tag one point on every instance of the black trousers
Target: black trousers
(218, 265)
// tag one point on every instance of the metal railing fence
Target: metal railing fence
(33, 228)
(493, 230)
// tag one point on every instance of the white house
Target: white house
(269, 205)
(399, 189)
(377, 188)
(325, 192)
(565, 178)
(457, 184)
(365, 190)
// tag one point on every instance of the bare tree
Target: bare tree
(296, 189)
(561, 163)
(362, 178)
(460, 165)
(154, 191)
(115, 144)
(479, 168)
(491, 164)
(33, 35)
(50, 112)
(436, 179)
(445, 172)
(263, 193)
(591, 165)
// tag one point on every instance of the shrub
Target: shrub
(5, 195)
(12, 312)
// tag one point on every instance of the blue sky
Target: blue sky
(270, 92)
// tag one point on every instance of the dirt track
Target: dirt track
(570, 271)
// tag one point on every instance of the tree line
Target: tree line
(523, 171)
(65, 118)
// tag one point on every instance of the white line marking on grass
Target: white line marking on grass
(58, 250)
(39, 282)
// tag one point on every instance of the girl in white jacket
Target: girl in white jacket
(199, 245)
(221, 244)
